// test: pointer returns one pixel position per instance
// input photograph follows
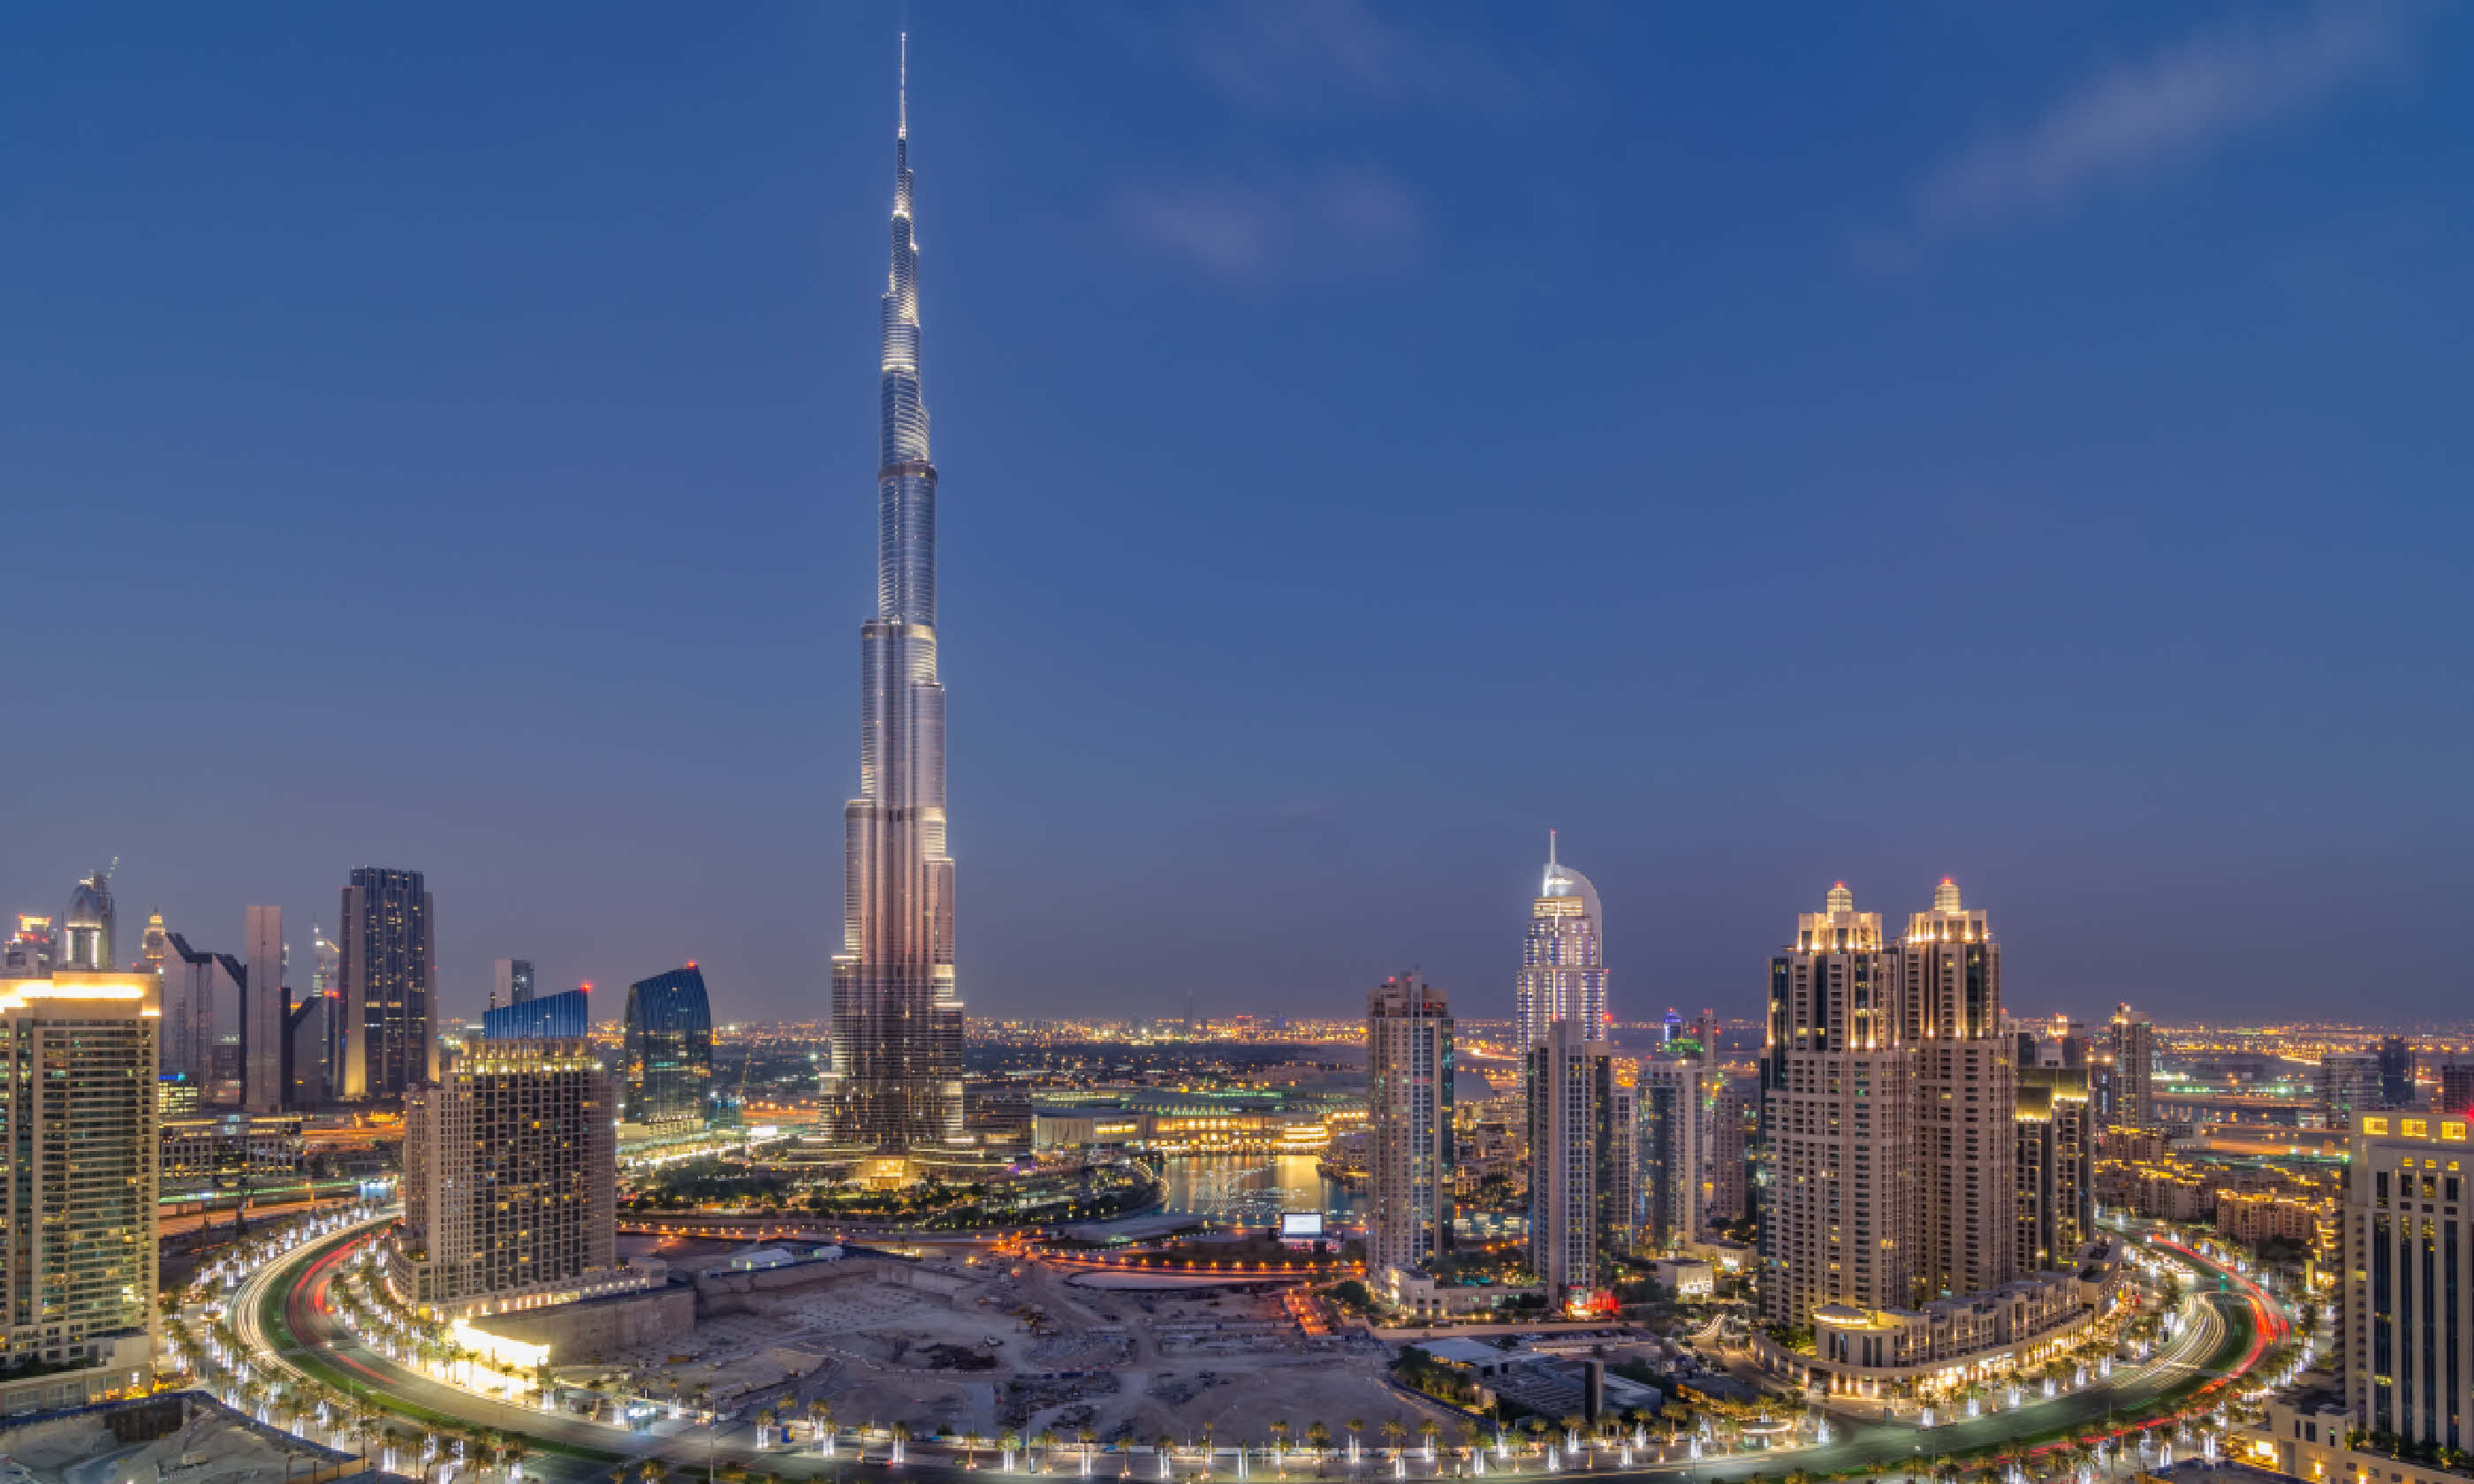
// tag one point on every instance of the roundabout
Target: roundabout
(288, 1318)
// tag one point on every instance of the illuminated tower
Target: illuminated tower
(86, 933)
(1563, 963)
(897, 1019)
(1967, 1076)
(1839, 1106)
(1409, 1123)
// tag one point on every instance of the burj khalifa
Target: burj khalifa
(897, 1059)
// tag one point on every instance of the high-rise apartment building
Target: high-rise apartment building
(2398, 1088)
(668, 1047)
(2348, 1084)
(2132, 1063)
(389, 970)
(79, 1188)
(510, 1182)
(1409, 1058)
(1562, 961)
(897, 1068)
(2056, 1159)
(566, 1017)
(1966, 1071)
(1671, 1097)
(266, 1014)
(1581, 1156)
(2406, 1314)
(1838, 1115)
(1734, 1137)
(511, 982)
(86, 933)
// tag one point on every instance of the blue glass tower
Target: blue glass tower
(669, 1047)
(550, 1017)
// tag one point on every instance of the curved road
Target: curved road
(2223, 1334)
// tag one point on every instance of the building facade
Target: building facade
(265, 1008)
(2131, 1066)
(85, 942)
(201, 990)
(510, 1182)
(1581, 1154)
(511, 982)
(1409, 1058)
(1966, 1088)
(2398, 1088)
(563, 1017)
(2056, 1161)
(668, 1047)
(897, 1068)
(1562, 960)
(2348, 1084)
(2406, 1311)
(1838, 1112)
(390, 969)
(1670, 1097)
(78, 1197)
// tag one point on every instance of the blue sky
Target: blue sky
(2020, 443)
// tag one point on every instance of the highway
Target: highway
(2222, 1336)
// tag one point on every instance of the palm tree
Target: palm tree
(1318, 1439)
(1355, 1426)
(1426, 1431)
(1393, 1432)
(820, 1416)
(764, 1427)
(1011, 1442)
(1279, 1441)
(1571, 1425)
(1086, 1437)
(1047, 1441)
(1469, 1436)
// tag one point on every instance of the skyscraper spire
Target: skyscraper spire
(897, 1021)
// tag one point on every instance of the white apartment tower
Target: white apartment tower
(1966, 1097)
(1409, 1122)
(2133, 1045)
(1839, 1106)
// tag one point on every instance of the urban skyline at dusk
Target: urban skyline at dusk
(1373, 442)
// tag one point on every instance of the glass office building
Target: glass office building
(550, 1017)
(669, 1047)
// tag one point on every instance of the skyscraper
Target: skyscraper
(266, 1012)
(309, 1041)
(2405, 1317)
(668, 1047)
(1670, 1097)
(86, 932)
(2348, 1084)
(152, 946)
(1838, 1115)
(510, 1181)
(390, 964)
(2057, 1166)
(80, 1121)
(1563, 963)
(1967, 1084)
(1581, 1154)
(1409, 1123)
(567, 1017)
(202, 992)
(29, 954)
(897, 1017)
(2396, 1073)
(2132, 1048)
(511, 982)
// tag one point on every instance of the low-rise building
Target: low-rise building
(1685, 1278)
(201, 1151)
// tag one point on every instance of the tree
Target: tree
(820, 1416)
(1355, 1426)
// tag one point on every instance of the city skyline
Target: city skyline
(2174, 500)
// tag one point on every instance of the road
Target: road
(2222, 1335)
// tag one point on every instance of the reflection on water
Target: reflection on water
(1251, 1189)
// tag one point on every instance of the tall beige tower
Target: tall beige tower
(1967, 1081)
(1838, 1107)
(1409, 1123)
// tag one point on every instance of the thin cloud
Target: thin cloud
(1252, 231)
(1299, 57)
(2132, 120)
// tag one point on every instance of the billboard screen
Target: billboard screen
(1302, 1223)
